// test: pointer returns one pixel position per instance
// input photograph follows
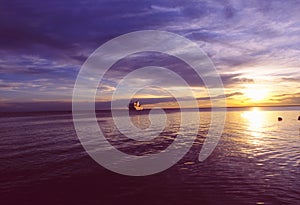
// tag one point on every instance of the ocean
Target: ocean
(256, 161)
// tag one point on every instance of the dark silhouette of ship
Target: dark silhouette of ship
(135, 105)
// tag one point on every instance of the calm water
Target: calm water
(257, 161)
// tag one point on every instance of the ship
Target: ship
(135, 105)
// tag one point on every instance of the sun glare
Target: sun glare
(256, 93)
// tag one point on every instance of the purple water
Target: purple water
(257, 161)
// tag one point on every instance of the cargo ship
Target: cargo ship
(135, 105)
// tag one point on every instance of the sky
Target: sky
(254, 45)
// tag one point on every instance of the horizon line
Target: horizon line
(168, 108)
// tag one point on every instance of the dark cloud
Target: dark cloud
(231, 80)
(133, 62)
(291, 79)
(291, 99)
(35, 106)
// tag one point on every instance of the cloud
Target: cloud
(289, 99)
(165, 9)
(297, 80)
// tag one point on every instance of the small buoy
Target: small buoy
(298, 117)
(279, 118)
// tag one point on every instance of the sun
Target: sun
(256, 93)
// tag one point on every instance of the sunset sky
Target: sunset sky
(254, 45)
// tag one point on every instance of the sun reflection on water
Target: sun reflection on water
(255, 122)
